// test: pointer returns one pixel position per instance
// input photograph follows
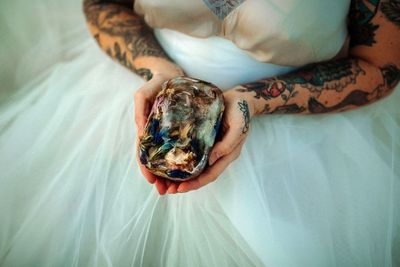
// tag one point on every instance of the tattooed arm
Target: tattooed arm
(125, 37)
(371, 71)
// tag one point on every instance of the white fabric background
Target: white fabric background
(306, 191)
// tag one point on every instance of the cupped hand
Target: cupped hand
(235, 129)
(144, 98)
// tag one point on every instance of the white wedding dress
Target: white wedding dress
(319, 190)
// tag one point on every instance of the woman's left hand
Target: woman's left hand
(235, 127)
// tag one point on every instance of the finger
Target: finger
(232, 138)
(212, 173)
(173, 188)
(150, 177)
(142, 110)
(144, 99)
(161, 186)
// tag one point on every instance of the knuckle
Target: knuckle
(223, 149)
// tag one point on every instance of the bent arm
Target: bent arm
(371, 71)
(125, 37)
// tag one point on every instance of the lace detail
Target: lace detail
(222, 8)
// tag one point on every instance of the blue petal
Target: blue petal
(178, 174)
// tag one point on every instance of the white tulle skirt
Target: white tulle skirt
(317, 191)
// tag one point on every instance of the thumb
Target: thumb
(224, 147)
(141, 120)
(144, 99)
(142, 111)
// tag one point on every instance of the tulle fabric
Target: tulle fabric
(306, 191)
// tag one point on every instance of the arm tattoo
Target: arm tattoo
(391, 9)
(391, 76)
(320, 78)
(133, 38)
(146, 74)
(361, 28)
(339, 85)
(334, 75)
(356, 98)
(244, 108)
(284, 109)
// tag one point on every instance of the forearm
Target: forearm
(125, 37)
(321, 88)
(370, 73)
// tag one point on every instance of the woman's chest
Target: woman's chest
(267, 29)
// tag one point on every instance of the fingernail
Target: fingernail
(214, 157)
(180, 190)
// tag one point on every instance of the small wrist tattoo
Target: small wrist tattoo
(244, 108)
(146, 74)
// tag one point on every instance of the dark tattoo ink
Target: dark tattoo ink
(244, 108)
(391, 9)
(222, 8)
(331, 75)
(267, 89)
(97, 38)
(335, 75)
(355, 98)
(361, 29)
(116, 18)
(285, 109)
(145, 73)
(317, 78)
(391, 74)
(391, 77)
(121, 56)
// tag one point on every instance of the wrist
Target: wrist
(264, 102)
(158, 67)
(248, 97)
(253, 103)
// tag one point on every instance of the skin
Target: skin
(370, 72)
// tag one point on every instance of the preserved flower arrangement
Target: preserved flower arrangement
(181, 128)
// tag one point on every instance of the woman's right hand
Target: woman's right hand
(144, 98)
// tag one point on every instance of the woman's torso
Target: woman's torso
(283, 32)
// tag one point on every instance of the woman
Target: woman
(306, 190)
